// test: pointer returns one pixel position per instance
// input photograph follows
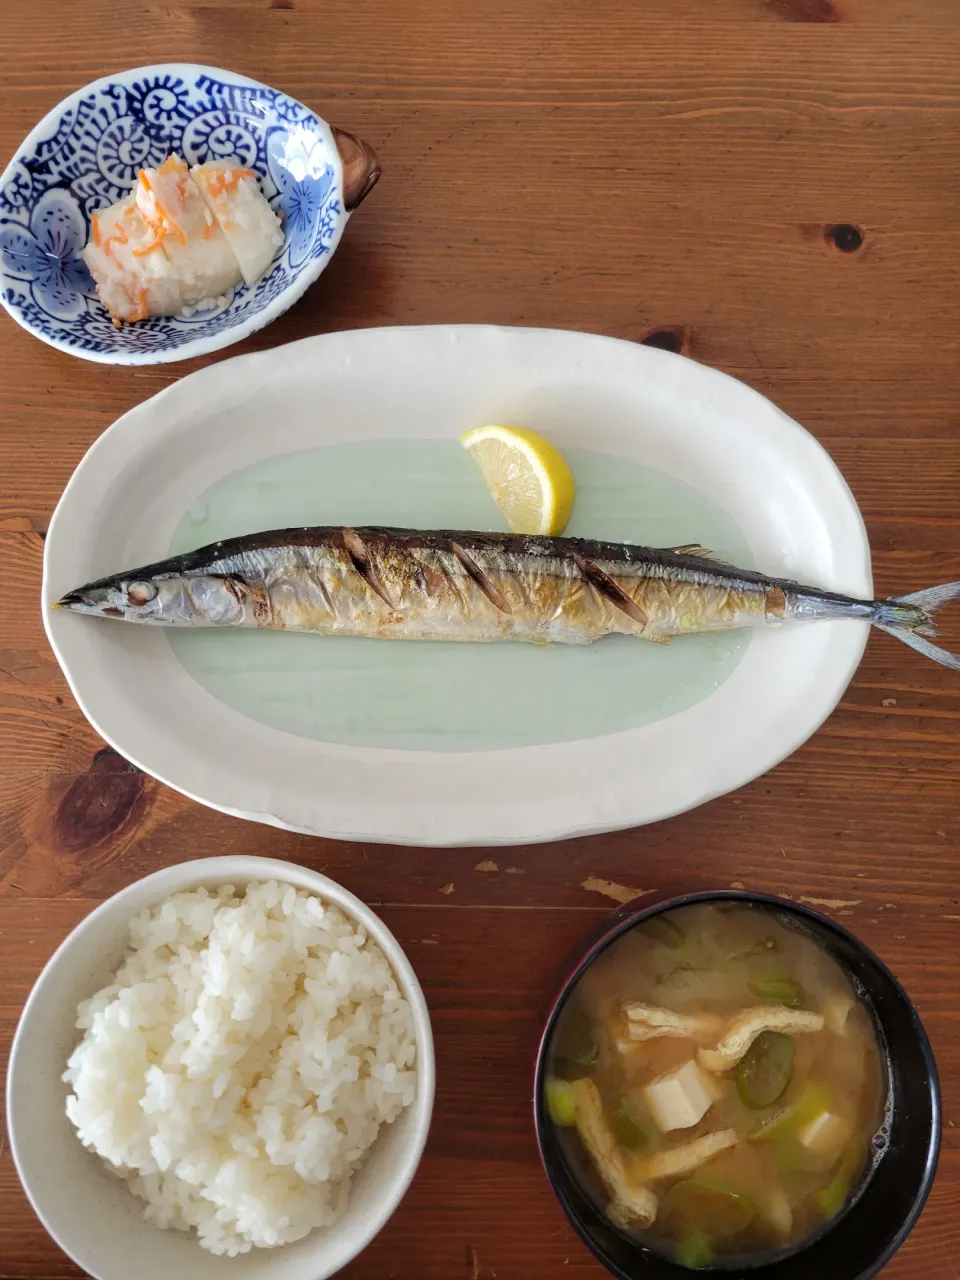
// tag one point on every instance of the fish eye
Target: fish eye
(139, 593)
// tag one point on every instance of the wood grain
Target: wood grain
(591, 164)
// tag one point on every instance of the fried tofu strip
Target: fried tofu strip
(637, 1202)
(744, 1029)
(681, 1160)
(836, 1011)
(649, 1022)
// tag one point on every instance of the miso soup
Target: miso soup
(718, 1084)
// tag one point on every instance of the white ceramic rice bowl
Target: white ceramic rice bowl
(89, 1212)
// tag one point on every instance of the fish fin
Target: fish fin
(915, 641)
(931, 599)
(696, 552)
(693, 549)
(910, 618)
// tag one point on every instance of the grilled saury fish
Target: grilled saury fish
(442, 585)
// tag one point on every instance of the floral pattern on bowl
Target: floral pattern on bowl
(86, 155)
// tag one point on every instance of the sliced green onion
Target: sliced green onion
(753, 949)
(663, 929)
(814, 1099)
(782, 990)
(689, 984)
(560, 1101)
(788, 1155)
(835, 1194)
(586, 1055)
(695, 1251)
(629, 1132)
(765, 1070)
(578, 1039)
(712, 1205)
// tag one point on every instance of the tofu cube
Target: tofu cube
(824, 1134)
(681, 1098)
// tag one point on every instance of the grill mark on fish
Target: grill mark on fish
(233, 586)
(262, 607)
(434, 583)
(254, 594)
(473, 570)
(356, 549)
(776, 602)
(610, 589)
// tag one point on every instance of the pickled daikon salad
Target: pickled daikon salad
(182, 240)
(717, 1083)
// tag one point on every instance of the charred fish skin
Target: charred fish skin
(477, 586)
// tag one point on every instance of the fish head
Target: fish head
(130, 598)
(168, 599)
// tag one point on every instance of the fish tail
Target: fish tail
(910, 619)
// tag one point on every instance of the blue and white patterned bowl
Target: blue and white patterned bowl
(85, 155)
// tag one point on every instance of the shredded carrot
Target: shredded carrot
(117, 236)
(163, 223)
(172, 164)
(170, 223)
(154, 224)
(141, 311)
(222, 180)
(154, 244)
(95, 229)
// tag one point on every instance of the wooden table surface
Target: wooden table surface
(625, 167)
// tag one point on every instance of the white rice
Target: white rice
(240, 1065)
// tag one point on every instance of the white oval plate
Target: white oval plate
(129, 493)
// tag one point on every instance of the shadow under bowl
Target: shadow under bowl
(877, 1219)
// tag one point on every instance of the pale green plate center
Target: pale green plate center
(438, 696)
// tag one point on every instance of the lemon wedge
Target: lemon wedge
(528, 478)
